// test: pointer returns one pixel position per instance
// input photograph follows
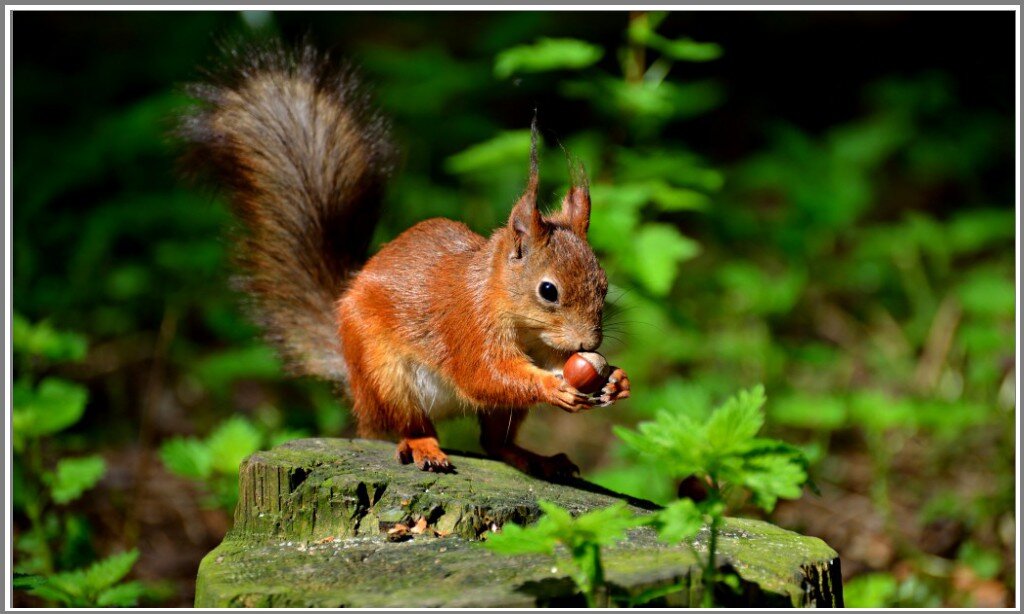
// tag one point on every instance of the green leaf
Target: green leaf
(25, 581)
(603, 526)
(971, 231)
(598, 527)
(83, 587)
(670, 198)
(876, 410)
(673, 441)
(514, 539)
(546, 54)
(873, 590)
(988, 293)
(231, 442)
(615, 212)
(111, 570)
(733, 425)
(678, 521)
(187, 457)
(819, 413)
(53, 591)
(74, 476)
(985, 563)
(52, 407)
(724, 446)
(686, 49)
(121, 596)
(556, 514)
(43, 340)
(658, 250)
(510, 147)
(218, 371)
(775, 471)
(641, 31)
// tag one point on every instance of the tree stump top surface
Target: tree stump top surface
(311, 529)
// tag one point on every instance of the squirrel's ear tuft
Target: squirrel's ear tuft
(526, 221)
(576, 210)
(575, 213)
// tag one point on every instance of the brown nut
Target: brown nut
(586, 371)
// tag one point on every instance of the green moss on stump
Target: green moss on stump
(311, 523)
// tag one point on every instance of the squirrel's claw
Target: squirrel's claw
(616, 389)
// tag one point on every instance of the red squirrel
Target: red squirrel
(440, 320)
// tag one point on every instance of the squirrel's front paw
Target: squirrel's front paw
(616, 389)
(559, 393)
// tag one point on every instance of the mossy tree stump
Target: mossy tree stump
(313, 515)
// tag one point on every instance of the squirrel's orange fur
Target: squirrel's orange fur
(440, 320)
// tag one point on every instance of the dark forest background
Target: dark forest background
(819, 201)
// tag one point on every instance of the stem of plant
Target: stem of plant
(638, 61)
(35, 508)
(710, 569)
(587, 558)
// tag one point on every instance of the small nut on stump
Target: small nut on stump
(586, 371)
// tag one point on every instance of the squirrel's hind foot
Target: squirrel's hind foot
(426, 453)
(557, 468)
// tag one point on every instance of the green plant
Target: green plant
(558, 533)
(56, 538)
(98, 585)
(214, 461)
(720, 451)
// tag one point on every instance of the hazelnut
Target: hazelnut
(586, 372)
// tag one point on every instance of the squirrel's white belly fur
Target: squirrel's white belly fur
(437, 397)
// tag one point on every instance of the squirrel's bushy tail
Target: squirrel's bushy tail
(303, 157)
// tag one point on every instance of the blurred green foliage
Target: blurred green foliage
(215, 460)
(57, 541)
(859, 263)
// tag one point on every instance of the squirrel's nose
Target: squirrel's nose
(591, 344)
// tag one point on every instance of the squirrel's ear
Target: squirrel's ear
(576, 210)
(526, 222)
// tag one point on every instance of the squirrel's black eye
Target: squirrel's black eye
(548, 291)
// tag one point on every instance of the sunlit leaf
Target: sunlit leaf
(514, 539)
(686, 49)
(187, 457)
(807, 411)
(506, 148)
(121, 596)
(231, 442)
(219, 370)
(658, 251)
(678, 521)
(73, 476)
(111, 570)
(546, 54)
(53, 406)
(42, 339)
